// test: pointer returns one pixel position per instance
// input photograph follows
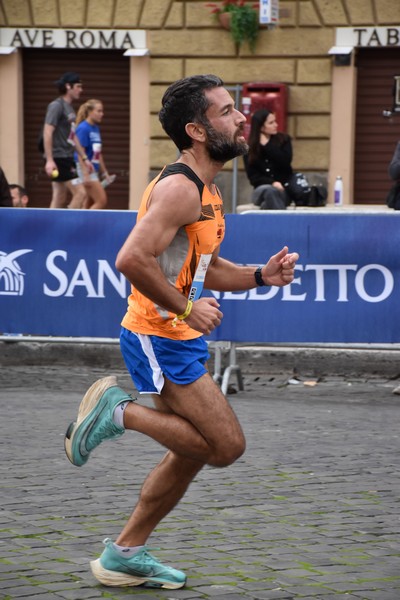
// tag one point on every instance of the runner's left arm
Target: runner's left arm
(224, 276)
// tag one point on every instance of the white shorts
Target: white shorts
(80, 179)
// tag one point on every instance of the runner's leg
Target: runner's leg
(161, 492)
(203, 430)
(201, 425)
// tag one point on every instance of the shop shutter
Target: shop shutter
(376, 136)
(105, 76)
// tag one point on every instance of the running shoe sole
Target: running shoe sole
(89, 401)
(118, 579)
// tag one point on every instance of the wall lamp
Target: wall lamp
(342, 55)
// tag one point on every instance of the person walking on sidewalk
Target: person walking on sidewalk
(171, 254)
(88, 120)
(60, 142)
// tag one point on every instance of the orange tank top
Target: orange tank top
(184, 263)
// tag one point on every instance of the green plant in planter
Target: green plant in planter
(243, 24)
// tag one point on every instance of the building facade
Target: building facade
(337, 58)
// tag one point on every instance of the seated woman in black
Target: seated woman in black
(268, 162)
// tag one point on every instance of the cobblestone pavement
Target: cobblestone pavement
(311, 510)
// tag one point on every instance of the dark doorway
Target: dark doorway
(376, 136)
(105, 76)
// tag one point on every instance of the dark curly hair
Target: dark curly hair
(185, 102)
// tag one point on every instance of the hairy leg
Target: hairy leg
(161, 492)
(198, 426)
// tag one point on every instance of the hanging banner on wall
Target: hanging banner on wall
(57, 276)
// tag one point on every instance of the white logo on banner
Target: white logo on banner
(11, 274)
(94, 282)
(320, 271)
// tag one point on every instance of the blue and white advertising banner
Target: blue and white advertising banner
(57, 275)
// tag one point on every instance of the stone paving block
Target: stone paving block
(333, 597)
(25, 591)
(274, 595)
(221, 592)
(38, 596)
(380, 595)
(9, 583)
(351, 586)
(82, 594)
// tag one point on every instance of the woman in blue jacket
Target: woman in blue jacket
(88, 120)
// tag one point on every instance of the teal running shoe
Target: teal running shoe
(140, 569)
(95, 420)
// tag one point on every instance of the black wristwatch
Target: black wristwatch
(258, 277)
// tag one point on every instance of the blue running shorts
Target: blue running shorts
(149, 357)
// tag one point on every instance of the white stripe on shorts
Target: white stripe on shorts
(158, 377)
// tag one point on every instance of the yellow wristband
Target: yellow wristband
(187, 312)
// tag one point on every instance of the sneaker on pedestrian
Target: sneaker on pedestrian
(138, 569)
(95, 422)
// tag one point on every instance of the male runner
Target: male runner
(170, 255)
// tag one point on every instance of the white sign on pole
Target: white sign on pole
(269, 12)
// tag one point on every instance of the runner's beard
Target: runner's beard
(221, 148)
